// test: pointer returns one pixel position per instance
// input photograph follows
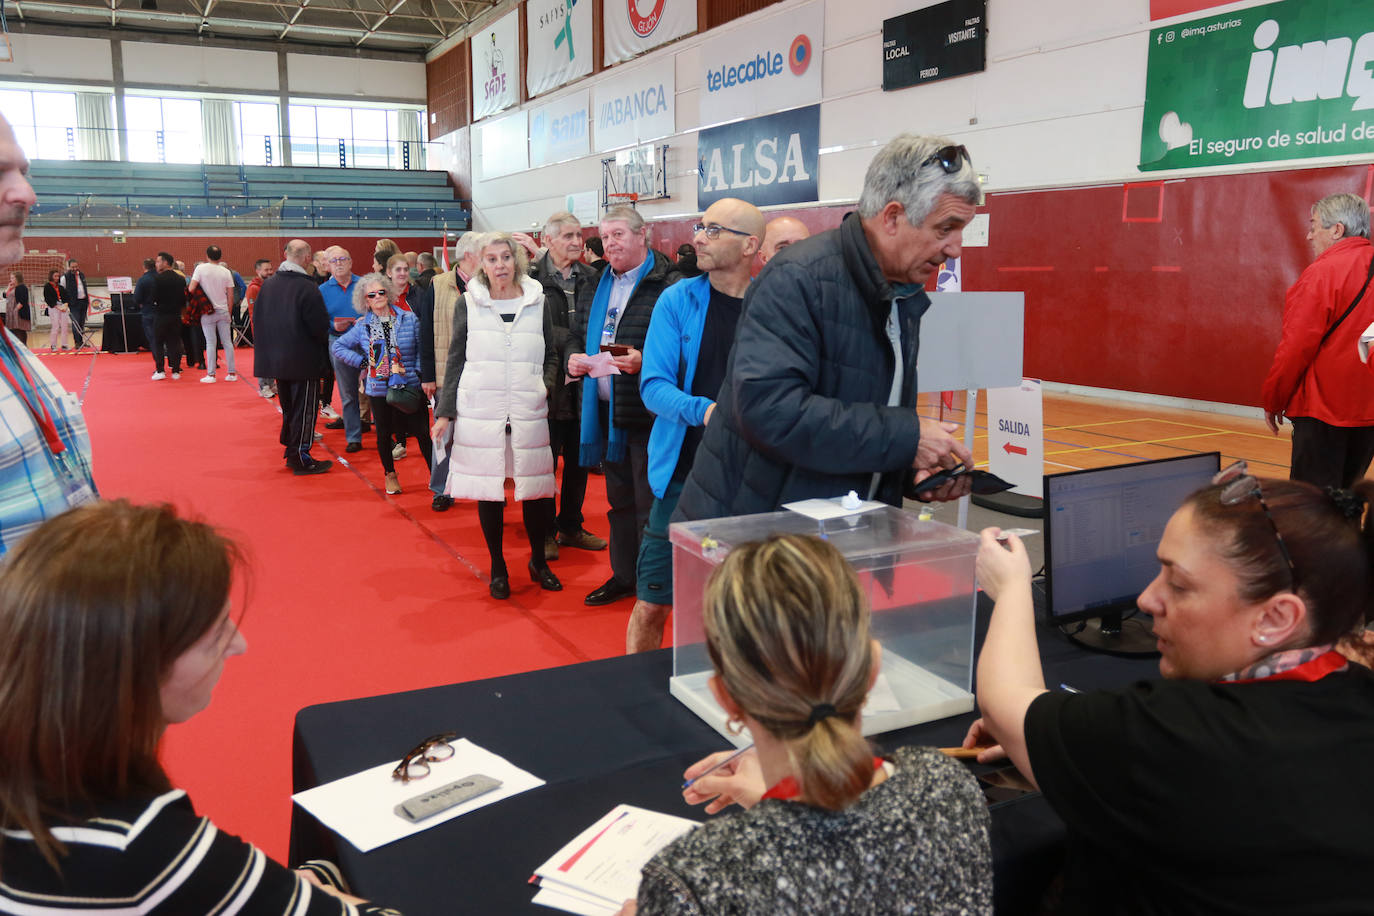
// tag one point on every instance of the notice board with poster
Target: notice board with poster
(935, 43)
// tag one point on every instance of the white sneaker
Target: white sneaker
(329, 413)
(267, 392)
(398, 452)
(159, 376)
(231, 377)
(207, 380)
(319, 435)
(176, 375)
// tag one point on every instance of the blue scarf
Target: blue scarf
(590, 443)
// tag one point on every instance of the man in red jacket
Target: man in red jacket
(1319, 384)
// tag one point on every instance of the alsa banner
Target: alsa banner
(636, 106)
(768, 66)
(495, 67)
(1291, 80)
(635, 26)
(560, 42)
(768, 160)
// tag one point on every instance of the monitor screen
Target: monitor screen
(1103, 526)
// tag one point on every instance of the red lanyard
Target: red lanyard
(41, 418)
(788, 788)
(1313, 669)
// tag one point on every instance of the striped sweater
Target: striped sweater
(155, 856)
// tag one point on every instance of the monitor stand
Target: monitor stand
(1109, 634)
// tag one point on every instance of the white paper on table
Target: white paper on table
(600, 365)
(361, 807)
(605, 859)
(881, 698)
(573, 901)
(824, 509)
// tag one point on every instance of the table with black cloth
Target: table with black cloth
(599, 733)
(122, 332)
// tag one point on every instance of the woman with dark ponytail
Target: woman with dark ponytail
(1234, 785)
(837, 830)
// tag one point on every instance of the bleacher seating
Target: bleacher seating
(114, 195)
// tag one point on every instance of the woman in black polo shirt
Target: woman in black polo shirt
(1235, 785)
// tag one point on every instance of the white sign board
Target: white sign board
(971, 341)
(770, 66)
(583, 206)
(560, 43)
(560, 130)
(496, 66)
(504, 145)
(120, 284)
(635, 26)
(1016, 436)
(637, 106)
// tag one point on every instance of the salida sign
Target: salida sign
(768, 160)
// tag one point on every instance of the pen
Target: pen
(1069, 689)
(748, 747)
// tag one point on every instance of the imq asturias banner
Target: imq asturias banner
(1290, 80)
(560, 43)
(768, 160)
(935, 43)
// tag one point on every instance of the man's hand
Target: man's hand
(527, 243)
(436, 432)
(1273, 421)
(979, 736)
(429, 388)
(939, 449)
(630, 363)
(577, 365)
(739, 782)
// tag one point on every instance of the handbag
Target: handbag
(407, 400)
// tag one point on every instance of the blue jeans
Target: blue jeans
(347, 378)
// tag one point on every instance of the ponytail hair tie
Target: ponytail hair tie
(1350, 503)
(821, 711)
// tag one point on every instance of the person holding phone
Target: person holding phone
(115, 623)
(1232, 785)
(830, 828)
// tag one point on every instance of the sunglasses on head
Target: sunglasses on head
(950, 158)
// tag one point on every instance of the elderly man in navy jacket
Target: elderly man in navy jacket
(292, 330)
(820, 394)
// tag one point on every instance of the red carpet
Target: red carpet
(349, 592)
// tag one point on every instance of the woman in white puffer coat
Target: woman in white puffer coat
(502, 364)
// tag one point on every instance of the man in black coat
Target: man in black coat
(292, 331)
(78, 298)
(613, 315)
(146, 305)
(820, 393)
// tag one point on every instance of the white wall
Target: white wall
(1059, 104)
(59, 58)
(188, 67)
(316, 75)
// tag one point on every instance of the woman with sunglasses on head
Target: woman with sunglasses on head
(114, 624)
(502, 364)
(386, 345)
(1235, 784)
(840, 830)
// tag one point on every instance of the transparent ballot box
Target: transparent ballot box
(919, 580)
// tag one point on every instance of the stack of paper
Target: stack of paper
(599, 870)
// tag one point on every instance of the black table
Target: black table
(600, 733)
(123, 333)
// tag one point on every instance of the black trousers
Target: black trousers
(193, 338)
(299, 401)
(166, 341)
(1330, 456)
(78, 312)
(563, 439)
(630, 498)
(391, 422)
(491, 516)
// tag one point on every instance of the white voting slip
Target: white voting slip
(361, 807)
(599, 870)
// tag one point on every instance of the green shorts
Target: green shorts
(654, 570)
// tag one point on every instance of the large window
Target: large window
(258, 130)
(163, 129)
(44, 122)
(357, 137)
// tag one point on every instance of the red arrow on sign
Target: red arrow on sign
(1013, 449)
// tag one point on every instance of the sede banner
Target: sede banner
(559, 130)
(1291, 80)
(636, 107)
(496, 67)
(769, 66)
(632, 27)
(768, 160)
(560, 43)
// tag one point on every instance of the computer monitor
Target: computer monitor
(1102, 530)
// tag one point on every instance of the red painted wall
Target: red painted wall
(100, 257)
(1172, 288)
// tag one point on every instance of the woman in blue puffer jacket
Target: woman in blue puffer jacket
(386, 345)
